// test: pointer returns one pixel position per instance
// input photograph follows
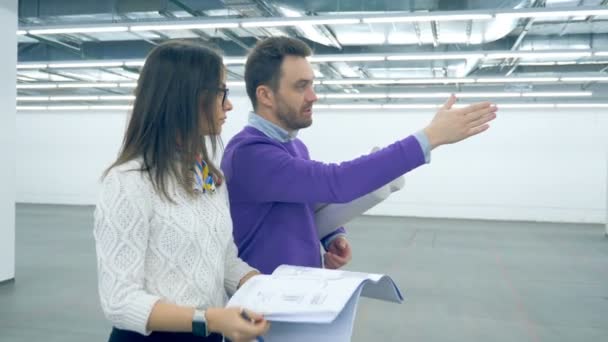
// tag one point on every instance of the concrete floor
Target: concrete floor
(463, 280)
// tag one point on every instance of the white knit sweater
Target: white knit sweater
(150, 249)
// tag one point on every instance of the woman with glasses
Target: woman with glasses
(166, 257)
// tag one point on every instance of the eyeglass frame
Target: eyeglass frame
(225, 96)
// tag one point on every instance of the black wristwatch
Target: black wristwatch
(199, 324)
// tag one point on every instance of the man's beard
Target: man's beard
(290, 117)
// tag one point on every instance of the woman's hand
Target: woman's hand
(231, 323)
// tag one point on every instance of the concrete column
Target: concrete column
(8, 65)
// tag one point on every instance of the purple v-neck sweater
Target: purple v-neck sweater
(274, 187)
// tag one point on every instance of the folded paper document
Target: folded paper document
(328, 217)
(305, 303)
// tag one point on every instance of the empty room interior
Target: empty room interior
(459, 148)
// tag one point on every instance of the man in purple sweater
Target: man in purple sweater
(273, 184)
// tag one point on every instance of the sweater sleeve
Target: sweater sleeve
(235, 270)
(265, 172)
(121, 232)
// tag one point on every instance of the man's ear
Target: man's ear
(265, 96)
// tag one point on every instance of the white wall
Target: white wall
(8, 62)
(532, 165)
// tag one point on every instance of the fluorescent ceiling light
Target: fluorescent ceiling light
(410, 106)
(422, 16)
(581, 105)
(31, 107)
(87, 85)
(101, 29)
(340, 82)
(37, 86)
(516, 79)
(488, 94)
(32, 66)
(137, 63)
(86, 65)
(74, 98)
(111, 107)
(77, 98)
(73, 108)
(117, 97)
(235, 60)
(192, 26)
(355, 106)
(21, 32)
(584, 79)
(338, 58)
(600, 53)
(354, 96)
(526, 105)
(556, 94)
(438, 80)
(127, 85)
(67, 107)
(437, 56)
(32, 98)
(415, 95)
(300, 22)
(538, 54)
(235, 84)
(578, 11)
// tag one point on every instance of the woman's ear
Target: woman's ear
(265, 96)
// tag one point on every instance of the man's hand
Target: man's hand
(338, 254)
(451, 125)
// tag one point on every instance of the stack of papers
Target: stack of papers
(305, 303)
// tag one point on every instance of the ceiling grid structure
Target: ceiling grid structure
(385, 54)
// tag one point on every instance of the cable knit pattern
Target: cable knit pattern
(149, 248)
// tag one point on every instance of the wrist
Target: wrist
(431, 136)
(212, 319)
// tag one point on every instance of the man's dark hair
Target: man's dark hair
(263, 65)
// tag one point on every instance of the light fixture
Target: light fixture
(32, 98)
(73, 108)
(117, 97)
(584, 79)
(341, 58)
(437, 56)
(415, 95)
(85, 65)
(422, 16)
(135, 63)
(581, 105)
(544, 13)
(235, 60)
(300, 22)
(516, 79)
(32, 66)
(191, 26)
(525, 105)
(556, 93)
(538, 54)
(87, 85)
(68, 30)
(74, 98)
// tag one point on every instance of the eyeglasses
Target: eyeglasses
(225, 95)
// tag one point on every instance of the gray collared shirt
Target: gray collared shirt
(269, 129)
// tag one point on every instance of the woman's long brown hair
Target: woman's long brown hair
(176, 95)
